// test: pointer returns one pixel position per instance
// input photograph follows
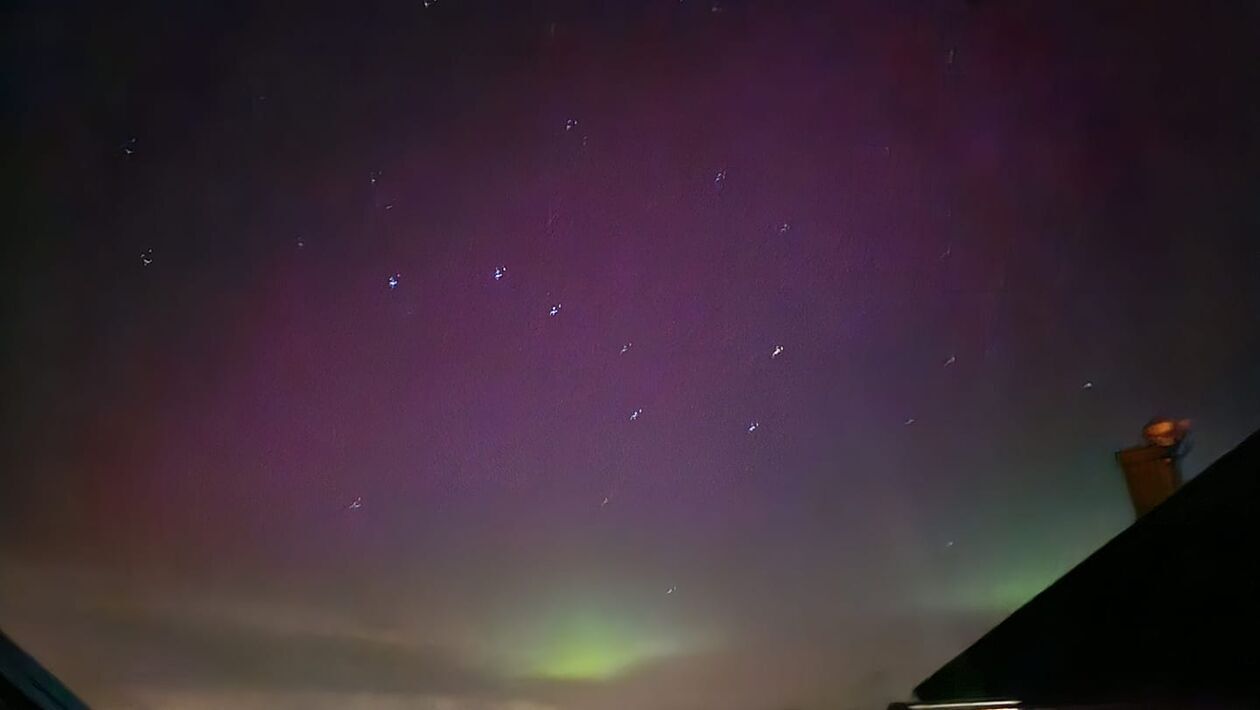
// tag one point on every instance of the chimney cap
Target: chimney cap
(1164, 431)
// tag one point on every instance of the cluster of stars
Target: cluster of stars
(500, 272)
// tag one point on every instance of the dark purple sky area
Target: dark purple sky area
(852, 304)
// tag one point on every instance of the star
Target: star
(500, 272)
(626, 347)
(635, 414)
(146, 257)
(355, 504)
(555, 310)
(1089, 385)
(909, 421)
(753, 426)
(778, 350)
(672, 589)
(393, 281)
(950, 361)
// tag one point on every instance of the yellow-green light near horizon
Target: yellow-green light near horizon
(591, 647)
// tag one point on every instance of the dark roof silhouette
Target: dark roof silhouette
(26, 685)
(1164, 612)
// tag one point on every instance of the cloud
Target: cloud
(150, 649)
(193, 651)
(321, 700)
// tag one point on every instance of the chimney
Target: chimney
(1152, 471)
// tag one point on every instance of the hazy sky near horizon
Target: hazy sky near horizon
(598, 355)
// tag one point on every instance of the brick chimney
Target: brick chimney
(1152, 471)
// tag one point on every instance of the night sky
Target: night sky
(659, 355)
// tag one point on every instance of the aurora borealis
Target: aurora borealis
(719, 355)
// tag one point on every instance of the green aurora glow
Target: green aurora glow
(591, 645)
